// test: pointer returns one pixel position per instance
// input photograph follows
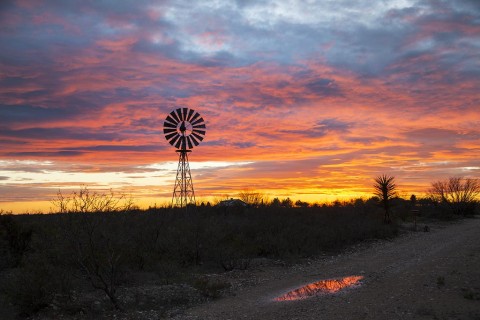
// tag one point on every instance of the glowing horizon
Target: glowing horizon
(300, 100)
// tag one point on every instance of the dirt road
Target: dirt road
(422, 275)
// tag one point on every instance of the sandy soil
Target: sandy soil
(420, 275)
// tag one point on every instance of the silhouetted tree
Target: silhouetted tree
(252, 198)
(458, 194)
(413, 200)
(385, 190)
(301, 204)
(287, 203)
(275, 202)
(359, 202)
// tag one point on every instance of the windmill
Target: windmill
(184, 128)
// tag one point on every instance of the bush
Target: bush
(15, 241)
(34, 286)
(457, 195)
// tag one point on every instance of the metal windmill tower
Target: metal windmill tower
(184, 128)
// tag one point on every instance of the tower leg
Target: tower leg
(183, 193)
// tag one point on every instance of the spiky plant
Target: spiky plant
(385, 190)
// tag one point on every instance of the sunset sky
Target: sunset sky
(306, 99)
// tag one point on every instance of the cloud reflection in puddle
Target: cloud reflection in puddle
(323, 286)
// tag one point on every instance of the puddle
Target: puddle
(320, 287)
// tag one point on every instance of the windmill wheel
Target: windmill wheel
(184, 128)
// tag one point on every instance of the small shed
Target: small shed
(235, 203)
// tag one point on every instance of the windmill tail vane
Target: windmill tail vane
(184, 129)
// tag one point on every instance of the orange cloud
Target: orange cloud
(288, 121)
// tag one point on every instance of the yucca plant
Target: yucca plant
(385, 190)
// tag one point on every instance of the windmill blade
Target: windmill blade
(184, 113)
(190, 112)
(199, 126)
(177, 145)
(170, 135)
(168, 130)
(177, 120)
(195, 117)
(198, 132)
(179, 142)
(175, 138)
(198, 121)
(199, 137)
(170, 119)
(179, 113)
(169, 125)
(190, 146)
(195, 142)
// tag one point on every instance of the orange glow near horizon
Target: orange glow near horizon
(320, 287)
(85, 88)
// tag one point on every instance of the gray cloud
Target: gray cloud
(244, 145)
(324, 87)
(60, 134)
(12, 114)
(45, 154)
(322, 128)
(363, 38)
(440, 137)
(122, 148)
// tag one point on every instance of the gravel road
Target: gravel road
(419, 275)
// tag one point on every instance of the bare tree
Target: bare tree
(87, 201)
(252, 198)
(385, 190)
(99, 244)
(459, 194)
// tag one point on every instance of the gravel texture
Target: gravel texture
(419, 275)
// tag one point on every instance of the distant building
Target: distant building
(232, 203)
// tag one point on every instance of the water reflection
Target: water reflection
(324, 286)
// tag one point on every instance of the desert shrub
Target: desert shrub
(229, 244)
(35, 285)
(183, 237)
(283, 232)
(15, 241)
(141, 241)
